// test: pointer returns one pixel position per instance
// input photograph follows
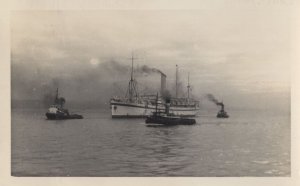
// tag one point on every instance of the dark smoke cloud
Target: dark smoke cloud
(115, 66)
(148, 70)
(214, 100)
(77, 81)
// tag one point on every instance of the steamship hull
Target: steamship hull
(136, 110)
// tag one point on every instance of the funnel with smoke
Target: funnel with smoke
(166, 95)
(214, 100)
(149, 70)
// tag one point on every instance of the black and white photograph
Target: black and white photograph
(152, 92)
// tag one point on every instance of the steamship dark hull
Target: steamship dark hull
(53, 116)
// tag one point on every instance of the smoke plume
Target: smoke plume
(80, 82)
(149, 70)
(214, 100)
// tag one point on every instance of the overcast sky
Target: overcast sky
(231, 53)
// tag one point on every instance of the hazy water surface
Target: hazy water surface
(247, 144)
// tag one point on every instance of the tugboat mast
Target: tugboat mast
(56, 96)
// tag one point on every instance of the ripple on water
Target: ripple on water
(263, 162)
(101, 146)
(272, 171)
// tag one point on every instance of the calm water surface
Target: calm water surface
(247, 144)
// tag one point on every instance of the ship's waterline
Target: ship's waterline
(120, 109)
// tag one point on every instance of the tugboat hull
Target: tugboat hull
(52, 116)
(222, 114)
(161, 120)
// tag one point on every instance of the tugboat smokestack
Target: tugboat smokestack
(221, 104)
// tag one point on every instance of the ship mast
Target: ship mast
(56, 96)
(131, 67)
(188, 87)
(131, 93)
(176, 86)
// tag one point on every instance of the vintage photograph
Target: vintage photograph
(151, 93)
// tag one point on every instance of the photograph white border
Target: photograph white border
(6, 179)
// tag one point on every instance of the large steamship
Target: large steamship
(135, 105)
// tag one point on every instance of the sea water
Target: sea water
(249, 143)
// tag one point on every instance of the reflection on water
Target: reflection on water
(247, 144)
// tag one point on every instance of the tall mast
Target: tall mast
(176, 86)
(131, 67)
(132, 85)
(188, 87)
(56, 96)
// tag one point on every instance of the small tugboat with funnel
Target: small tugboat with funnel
(167, 119)
(58, 112)
(222, 113)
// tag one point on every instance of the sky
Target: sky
(240, 55)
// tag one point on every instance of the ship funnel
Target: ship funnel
(162, 83)
(221, 104)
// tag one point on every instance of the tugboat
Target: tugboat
(58, 112)
(222, 113)
(167, 119)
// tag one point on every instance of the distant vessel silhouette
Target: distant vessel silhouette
(57, 112)
(222, 113)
